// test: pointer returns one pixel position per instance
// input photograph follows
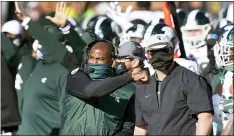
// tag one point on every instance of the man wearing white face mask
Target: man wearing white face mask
(21, 63)
(13, 30)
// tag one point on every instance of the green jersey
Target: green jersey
(42, 95)
(26, 65)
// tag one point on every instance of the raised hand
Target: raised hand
(61, 14)
(115, 10)
(19, 13)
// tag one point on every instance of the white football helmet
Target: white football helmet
(195, 29)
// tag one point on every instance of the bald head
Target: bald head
(100, 53)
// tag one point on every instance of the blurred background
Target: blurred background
(81, 9)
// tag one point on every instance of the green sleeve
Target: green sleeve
(48, 41)
(8, 48)
(76, 42)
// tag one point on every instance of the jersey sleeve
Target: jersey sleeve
(199, 96)
(80, 85)
(51, 44)
(47, 40)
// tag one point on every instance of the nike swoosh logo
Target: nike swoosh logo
(147, 96)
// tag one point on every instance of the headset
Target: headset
(114, 52)
(87, 49)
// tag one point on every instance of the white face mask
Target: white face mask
(16, 42)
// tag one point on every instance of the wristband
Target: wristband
(66, 29)
(25, 23)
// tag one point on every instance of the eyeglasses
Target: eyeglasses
(125, 58)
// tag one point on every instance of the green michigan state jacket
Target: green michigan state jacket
(42, 94)
(25, 67)
(103, 116)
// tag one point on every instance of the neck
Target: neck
(161, 75)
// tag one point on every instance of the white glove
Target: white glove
(114, 12)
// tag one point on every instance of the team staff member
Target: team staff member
(129, 53)
(129, 56)
(175, 99)
(106, 121)
(10, 117)
(23, 56)
(111, 114)
(42, 94)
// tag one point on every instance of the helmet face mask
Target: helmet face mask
(195, 36)
(224, 52)
(224, 49)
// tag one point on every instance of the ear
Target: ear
(114, 62)
(135, 63)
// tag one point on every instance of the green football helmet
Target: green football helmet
(181, 14)
(224, 48)
(102, 27)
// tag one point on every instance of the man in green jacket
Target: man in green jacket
(91, 109)
(42, 95)
(10, 117)
(26, 65)
(20, 54)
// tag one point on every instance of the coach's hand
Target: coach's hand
(61, 14)
(140, 75)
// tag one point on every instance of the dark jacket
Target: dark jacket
(9, 109)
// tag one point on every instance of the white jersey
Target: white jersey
(228, 81)
(189, 64)
(217, 117)
(199, 54)
(146, 15)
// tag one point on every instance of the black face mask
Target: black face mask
(162, 59)
(120, 68)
